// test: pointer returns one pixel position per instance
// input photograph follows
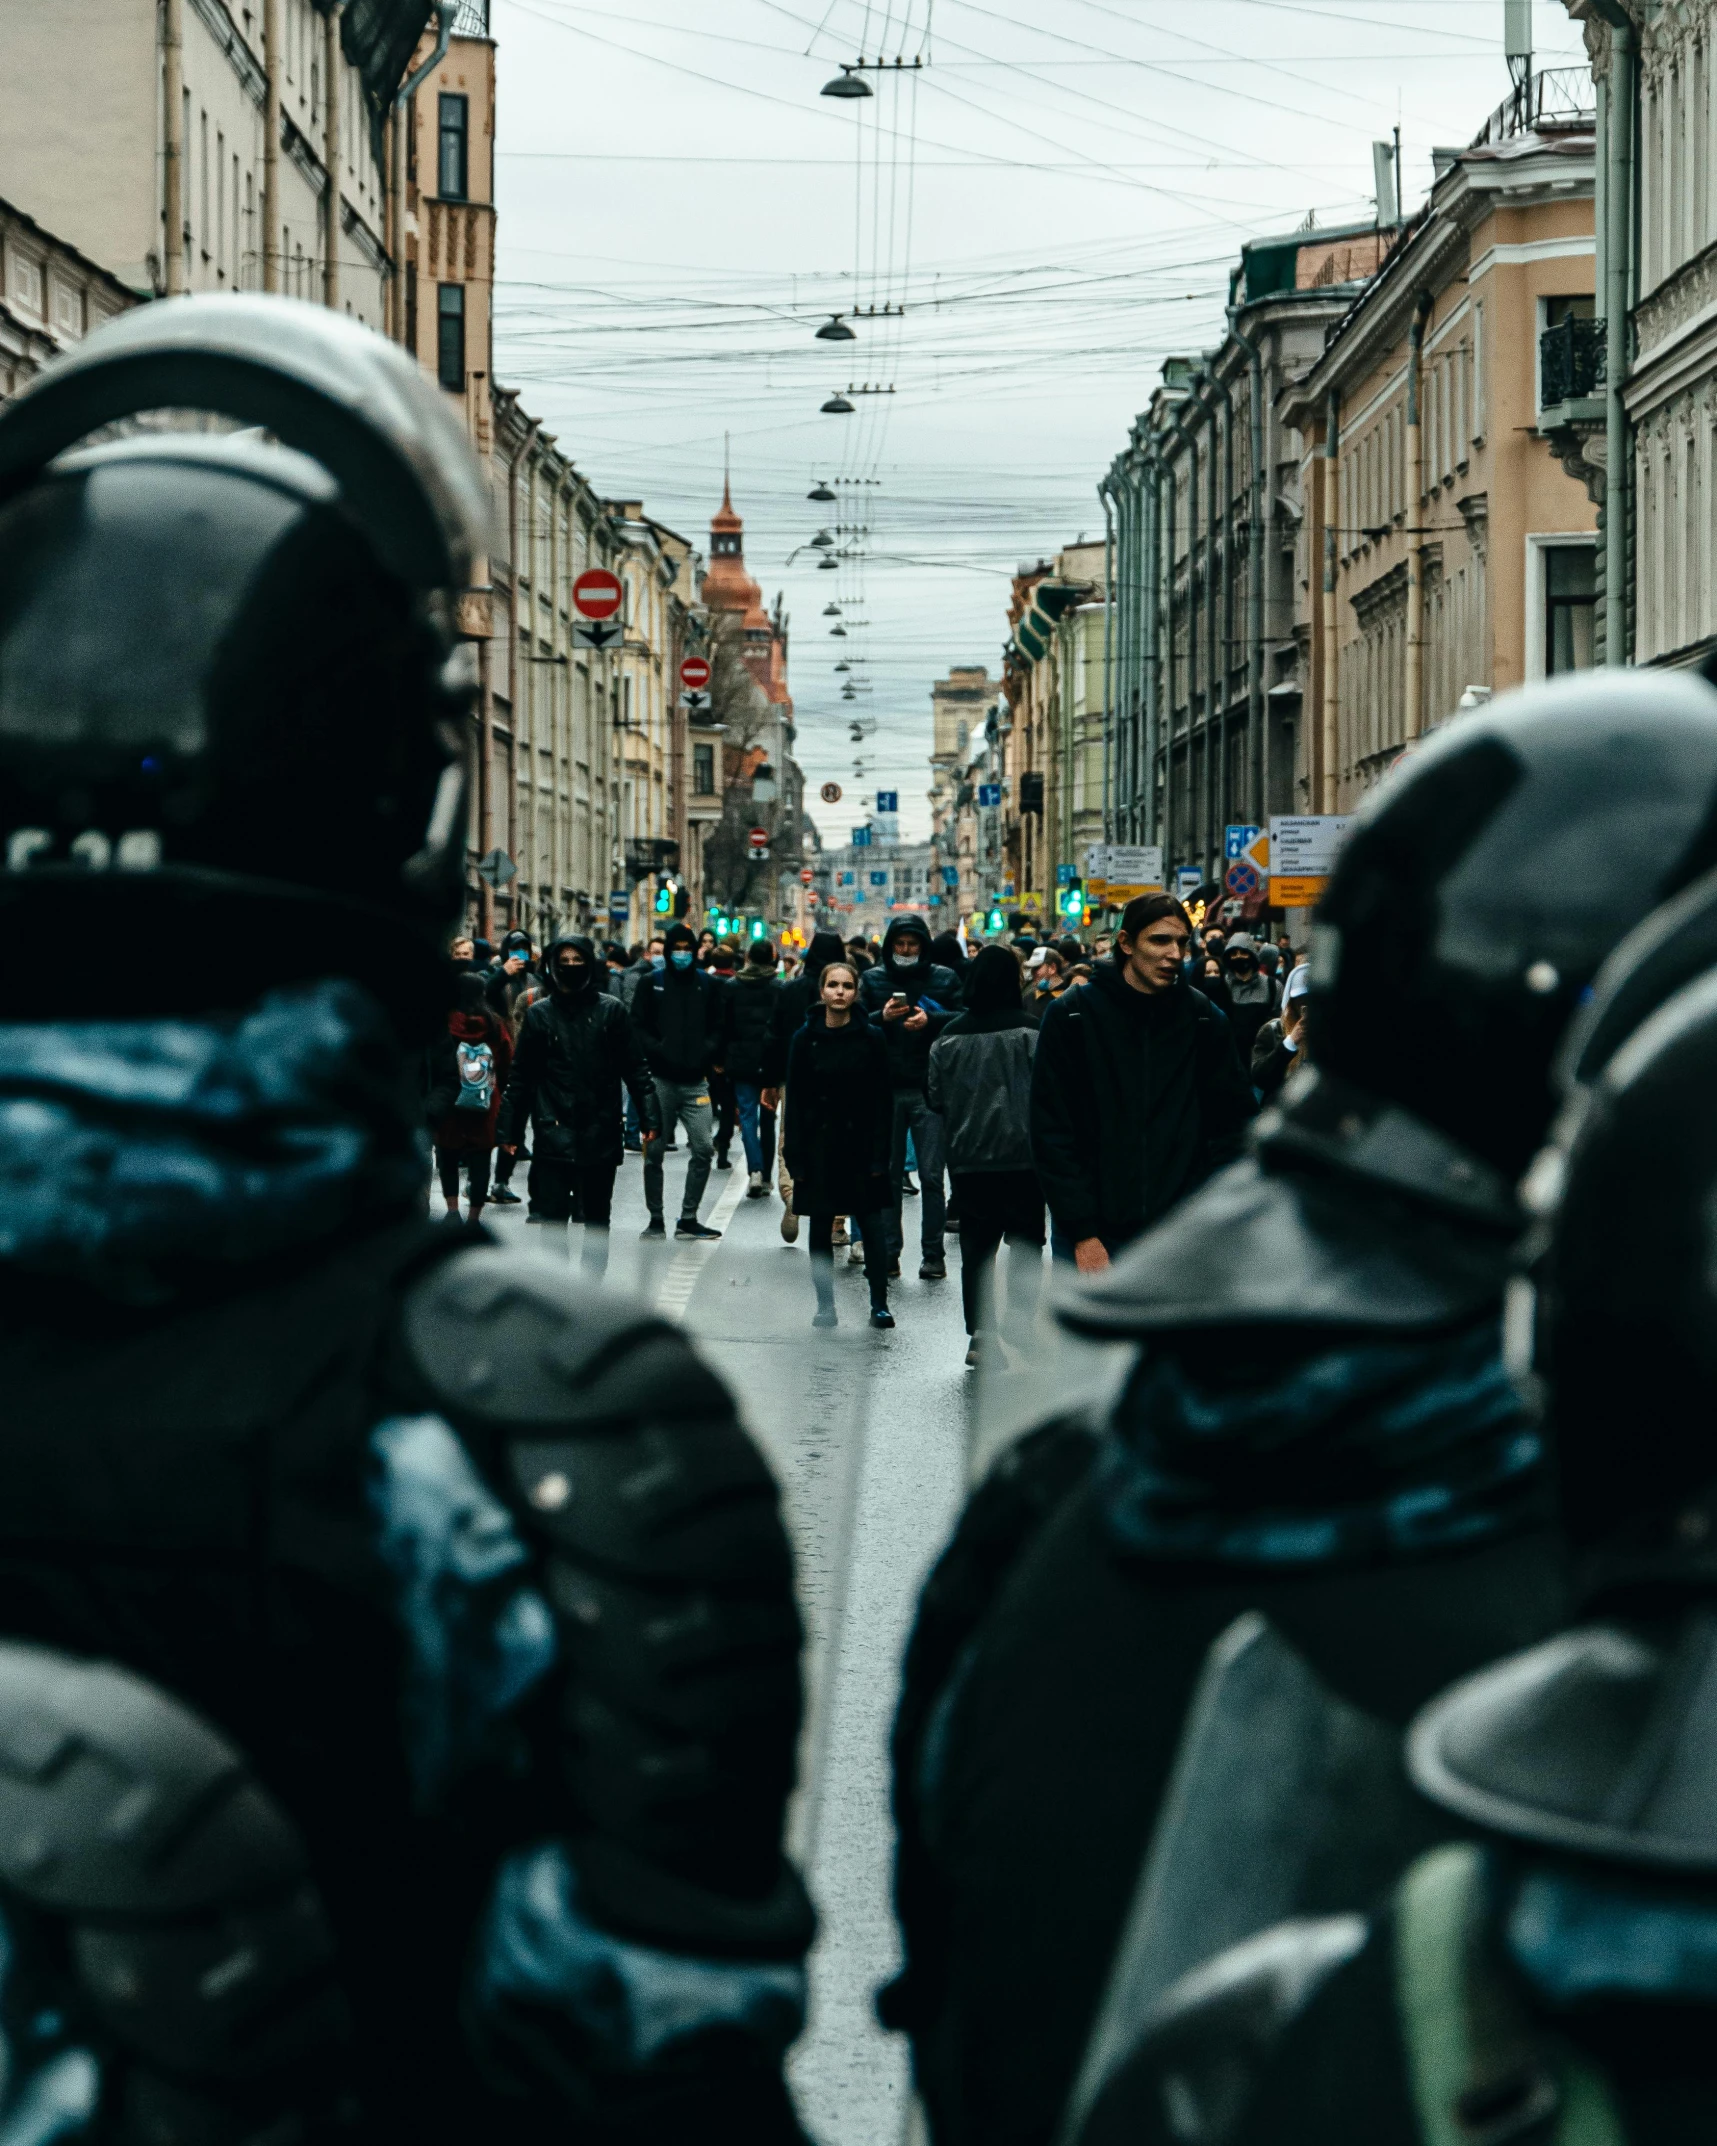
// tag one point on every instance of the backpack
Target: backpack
(476, 1062)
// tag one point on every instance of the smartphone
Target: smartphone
(897, 998)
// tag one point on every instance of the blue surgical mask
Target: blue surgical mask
(681, 957)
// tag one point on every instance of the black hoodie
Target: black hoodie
(679, 1015)
(794, 1000)
(576, 1051)
(908, 1049)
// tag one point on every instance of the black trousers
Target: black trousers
(726, 1102)
(995, 1204)
(476, 1162)
(572, 1191)
(877, 1259)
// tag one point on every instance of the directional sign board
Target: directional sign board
(1303, 851)
(597, 593)
(989, 793)
(695, 703)
(830, 793)
(497, 868)
(694, 673)
(588, 633)
(1236, 841)
(879, 879)
(888, 801)
(1132, 868)
(861, 838)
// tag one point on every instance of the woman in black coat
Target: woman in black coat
(839, 1122)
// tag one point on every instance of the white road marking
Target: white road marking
(675, 1293)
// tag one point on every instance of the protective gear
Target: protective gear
(1446, 916)
(308, 1479)
(1276, 1780)
(194, 628)
(681, 957)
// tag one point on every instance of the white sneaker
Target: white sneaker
(855, 1257)
(755, 1188)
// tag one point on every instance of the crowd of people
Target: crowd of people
(400, 1653)
(1019, 1091)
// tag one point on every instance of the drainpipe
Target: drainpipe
(1258, 508)
(1224, 637)
(274, 68)
(403, 115)
(1331, 678)
(1105, 494)
(1169, 492)
(331, 153)
(1192, 620)
(1414, 718)
(1618, 293)
(173, 265)
(1148, 484)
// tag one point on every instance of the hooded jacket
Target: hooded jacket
(794, 1001)
(909, 1050)
(679, 1016)
(749, 1007)
(576, 1051)
(504, 991)
(980, 1072)
(1136, 1099)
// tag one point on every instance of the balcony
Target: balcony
(1570, 363)
(1559, 100)
(472, 19)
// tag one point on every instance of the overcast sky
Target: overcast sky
(1054, 197)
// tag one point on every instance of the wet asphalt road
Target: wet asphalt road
(871, 1436)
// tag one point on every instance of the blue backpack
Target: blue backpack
(476, 1077)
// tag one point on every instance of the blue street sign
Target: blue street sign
(989, 793)
(950, 876)
(1236, 841)
(861, 838)
(888, 801)
(879, 879)
(1188, 880)
(847, 878)
(1064, 875)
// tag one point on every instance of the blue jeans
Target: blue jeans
(746, 1094)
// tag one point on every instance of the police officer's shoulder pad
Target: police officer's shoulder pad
(1203, 2047)
(512, 1339)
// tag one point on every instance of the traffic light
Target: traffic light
(664, 901)
(758, 927)
(996, 921)
(1073, 902)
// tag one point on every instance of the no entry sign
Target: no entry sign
(694, 673)
(597, 593)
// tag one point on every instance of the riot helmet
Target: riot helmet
(1622, 1333)
(1485, 880)
(229, 682)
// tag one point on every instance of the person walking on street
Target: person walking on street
(793, 1002)
(1278, 1050)
(979, 1084)
(1045, 981)
(1251, 995)
(510, 974)
(468, 1074)
(913, 999)
(577, 1049)
(678, 1014)
(750, 1013)
(1137, 1094)
(837, 1135)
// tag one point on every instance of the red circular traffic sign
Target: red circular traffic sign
(806, 875)
(597, 593)
(694, 673)
(831, 793)
(759, 838)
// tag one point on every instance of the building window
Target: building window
(453, 166)
(1569, 600)
(450, 346)
(703, 770)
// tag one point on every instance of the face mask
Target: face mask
(906, 961)
(681, 957)
(1046, 983)
(656, 961)
(572, 979)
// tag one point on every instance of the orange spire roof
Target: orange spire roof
(725, 519)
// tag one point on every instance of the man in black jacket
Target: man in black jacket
(914, 999)
(679, 1014)
(577, 1049)
(1136, 1094)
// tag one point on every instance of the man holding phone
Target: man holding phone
(914, 998)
